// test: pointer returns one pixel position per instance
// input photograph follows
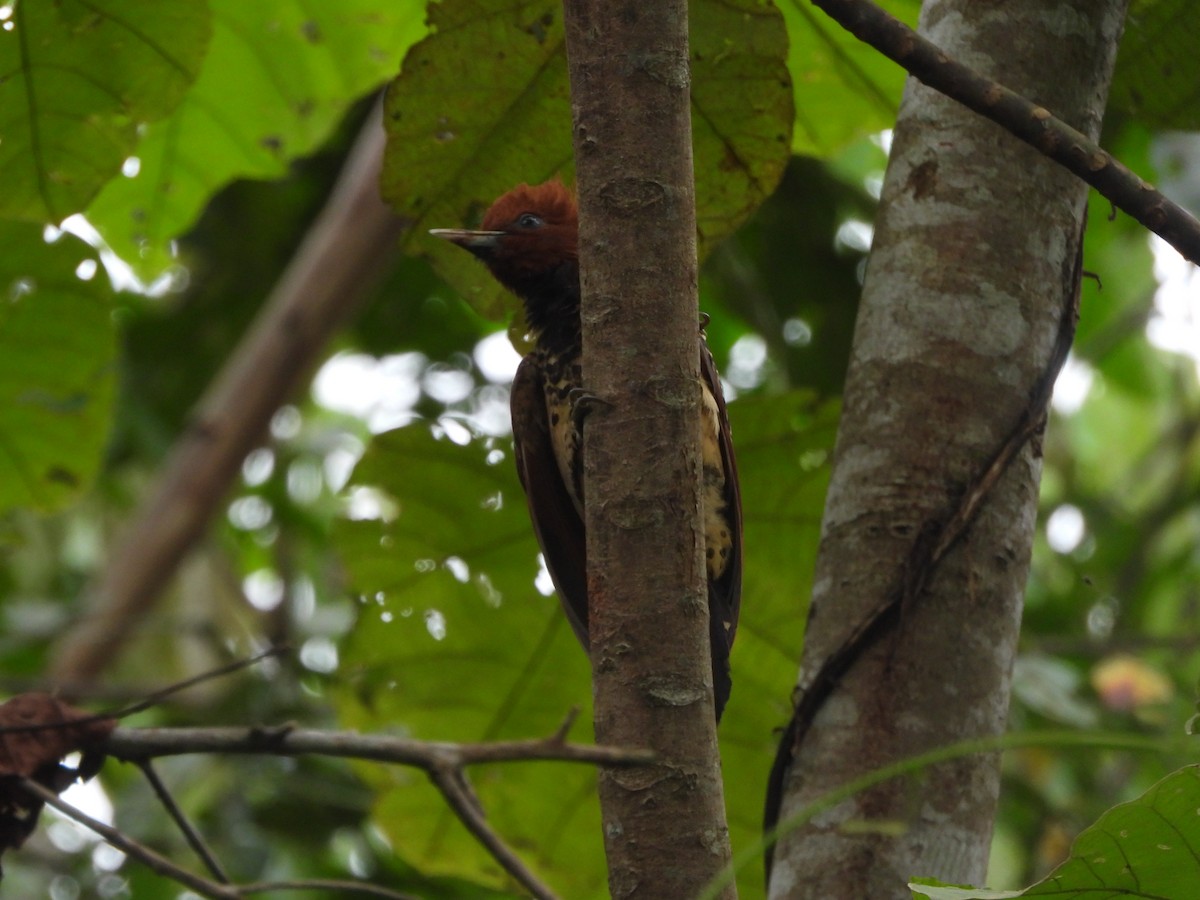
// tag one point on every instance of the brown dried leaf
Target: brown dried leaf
(36, 732)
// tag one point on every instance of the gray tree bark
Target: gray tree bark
(973, 260)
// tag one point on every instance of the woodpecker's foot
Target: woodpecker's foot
(582, 403)
(705, 318)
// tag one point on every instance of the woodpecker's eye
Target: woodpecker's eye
(529, 221)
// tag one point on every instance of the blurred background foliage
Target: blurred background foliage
(380, 530)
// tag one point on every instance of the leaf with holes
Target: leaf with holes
(77, 81)
(1147, 848)
(280, 74)
(483, 103)
(58, 354)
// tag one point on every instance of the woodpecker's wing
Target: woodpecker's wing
(725, 591)
(556, 521)
(725, 594)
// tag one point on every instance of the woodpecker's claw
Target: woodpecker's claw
(582, 403)
(705, 318)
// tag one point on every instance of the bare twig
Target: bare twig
(1024, 119)
(445, 763)
(190, 834)
(450, 782)
(339, 258)
(149, 700)
(156, 697)
(134, 744)
(564, 729)
(322, 884)
(153, 860)
(156, 862)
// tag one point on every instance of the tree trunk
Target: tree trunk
(974, 258)
(664, 826)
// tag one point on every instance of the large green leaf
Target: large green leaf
(483, 103)
(78, 78)
(57, 368)
(1147, 848)
(280, 74)
(453, 641)
(1157, 79)
(741, 110)
(844, 88)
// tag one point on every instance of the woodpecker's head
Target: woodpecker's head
(526, 236)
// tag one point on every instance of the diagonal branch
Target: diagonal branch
(1033, 124)
(449, 780)
(339, 258)
(153, 860)
(156, 862)
(445, 763)
(195, 841)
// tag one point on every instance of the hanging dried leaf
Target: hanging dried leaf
(36, 732)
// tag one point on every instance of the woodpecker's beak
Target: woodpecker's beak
(481, 243)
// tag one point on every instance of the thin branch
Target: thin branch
(560, 736)
(443, 762)
(148, 700)
(156, 697)
(450, 782)
(190, 834)
(133, 744)
(202, 886)
(323, 884)
(1024, 119)
(153, 860)
(345, 248)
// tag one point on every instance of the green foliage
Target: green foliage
(204, 94)
(843, 88)
(782, 275)
(1146, 848)
(1157, 80)
(77, 81)
(454, 642)
(459, 136)
(94, 83)
(278, 76)
(57, 369)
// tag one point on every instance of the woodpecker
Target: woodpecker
(529, 242)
